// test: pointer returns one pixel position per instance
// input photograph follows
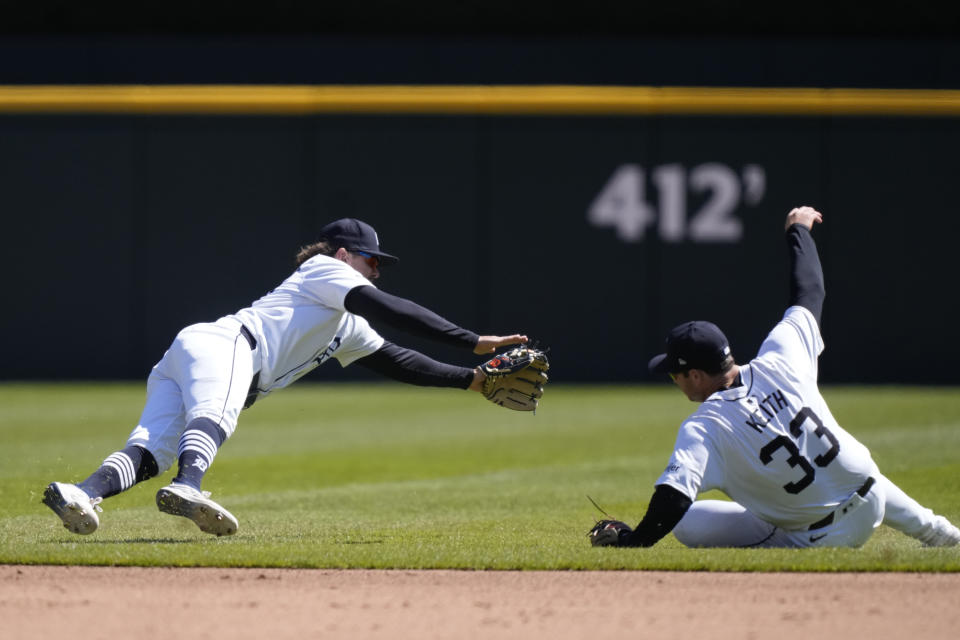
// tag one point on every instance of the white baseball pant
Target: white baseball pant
(205, 373)
(717, 523)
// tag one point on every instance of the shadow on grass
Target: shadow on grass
(134, 541)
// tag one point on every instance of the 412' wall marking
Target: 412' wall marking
(623, 204)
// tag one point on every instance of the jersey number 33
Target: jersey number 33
(797, 459)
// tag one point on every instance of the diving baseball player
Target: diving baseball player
(765, 437)
(214, 370)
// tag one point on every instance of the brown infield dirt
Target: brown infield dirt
(226, 604)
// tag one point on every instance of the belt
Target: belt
(862, 492)
(252, 392)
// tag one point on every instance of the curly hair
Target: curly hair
(323, 247)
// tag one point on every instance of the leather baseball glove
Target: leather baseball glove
(515, 378)
(606, 533)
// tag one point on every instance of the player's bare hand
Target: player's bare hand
(478, 377)
(490, 344)
(806, 216)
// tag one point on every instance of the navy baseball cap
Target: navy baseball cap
(356, 235)
(697, 344)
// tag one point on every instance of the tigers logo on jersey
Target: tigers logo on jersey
(327, 353)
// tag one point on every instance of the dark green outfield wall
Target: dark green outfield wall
(594, 235)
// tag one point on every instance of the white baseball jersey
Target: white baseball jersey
(772, 444)
(206, 372)
(303, 323)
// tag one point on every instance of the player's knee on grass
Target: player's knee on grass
(719, 523)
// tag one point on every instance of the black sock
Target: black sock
(198, 446)
(119, 472)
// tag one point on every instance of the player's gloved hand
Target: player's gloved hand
(608, 533)
(514, 379)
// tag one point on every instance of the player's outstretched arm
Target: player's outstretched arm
(412, 367)
(406, 315)
(806, 275)
(376, 305)
(491, 344)
(667, 507)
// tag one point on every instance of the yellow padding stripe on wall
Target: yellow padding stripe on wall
(472, 100)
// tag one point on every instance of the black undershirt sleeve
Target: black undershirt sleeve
(667, 507)
(806, 275)
(400, 313)
(412, 367)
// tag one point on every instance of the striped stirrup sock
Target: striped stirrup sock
(120, 471)
(198, 446)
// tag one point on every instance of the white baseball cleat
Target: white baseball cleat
(182, 500)
(77, 510)
(944, 534)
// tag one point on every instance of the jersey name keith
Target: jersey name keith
(765, 409)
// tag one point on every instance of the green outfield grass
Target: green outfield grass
(391, 476)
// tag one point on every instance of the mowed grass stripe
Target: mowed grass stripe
(390, 476)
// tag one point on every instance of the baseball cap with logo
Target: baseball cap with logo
(697, 344)
(355, 235)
